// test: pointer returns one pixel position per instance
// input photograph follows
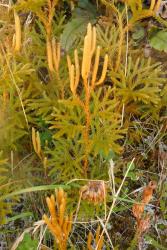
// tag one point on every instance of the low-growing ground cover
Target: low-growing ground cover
(83, 97)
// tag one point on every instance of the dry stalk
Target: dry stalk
(114, 200)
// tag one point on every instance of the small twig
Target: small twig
(112, 178)
(41, 238)
(122, 115)
(101, 222)
(4, 5)
(78, 207)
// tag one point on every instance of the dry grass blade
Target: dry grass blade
(114, 201)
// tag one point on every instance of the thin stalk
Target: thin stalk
(114, 201)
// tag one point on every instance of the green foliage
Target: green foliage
(138, 33)
(105, 123)
(127, 114)
(151, 241)
(5, 188)
(74, 29)
(30, 5)
(142, 83)
(108, 39)
(15, 86)
(132, 173)
(66, 159)
(28, 243)
(133, 244)
(158, 39)
(69, 123)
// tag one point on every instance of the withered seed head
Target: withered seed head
(94, 192)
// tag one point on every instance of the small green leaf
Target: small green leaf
(154, 243)
(28, 243)
(138, 33)
(74, 29)
(132, 166)
(132, 176)
(19, 216)
(73, 32)
(158, 40)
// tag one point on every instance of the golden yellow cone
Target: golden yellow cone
(55, 229)
(89, 241)
(93, 47)
(72, 79)
(17, 32)
(152, 4)
(77, 69)
(97, 234)
(61, 213)
(38, 143)
(96, 65)
(100, 245)
(157, 6)
(85, 58)
(34, 139)
(104, 71)
(49, 55)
